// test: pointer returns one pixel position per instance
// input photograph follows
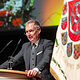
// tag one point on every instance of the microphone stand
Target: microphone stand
(10, 62)
(10, 59)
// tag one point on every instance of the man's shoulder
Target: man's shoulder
(46, 41)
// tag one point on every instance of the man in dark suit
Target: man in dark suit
(36, 54)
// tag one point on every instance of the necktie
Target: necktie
(34, 45)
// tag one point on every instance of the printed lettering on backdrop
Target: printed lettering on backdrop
(65, 63)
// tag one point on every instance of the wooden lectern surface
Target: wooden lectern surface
(12, 75)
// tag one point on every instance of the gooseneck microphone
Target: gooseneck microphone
(6, 46)
(16, 47)
(10, 59)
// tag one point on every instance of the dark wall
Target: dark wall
(6, 36)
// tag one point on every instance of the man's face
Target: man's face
(32, 33)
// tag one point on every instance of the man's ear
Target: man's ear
(39, 29)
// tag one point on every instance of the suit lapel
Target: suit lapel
(28, 50)
(39, 45)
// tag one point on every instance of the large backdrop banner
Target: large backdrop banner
(65, 63)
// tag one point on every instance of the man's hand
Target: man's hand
(33, 73)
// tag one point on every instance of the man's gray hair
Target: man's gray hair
(33, 21)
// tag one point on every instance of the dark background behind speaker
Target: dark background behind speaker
(6, 36)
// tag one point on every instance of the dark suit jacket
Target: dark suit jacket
(43, 56)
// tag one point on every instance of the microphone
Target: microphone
(10, 59)
(6, 46)
(16, 47)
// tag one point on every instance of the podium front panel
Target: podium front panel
(12, 75)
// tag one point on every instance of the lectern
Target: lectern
(12, 75)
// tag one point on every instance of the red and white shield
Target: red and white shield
(74, 20)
